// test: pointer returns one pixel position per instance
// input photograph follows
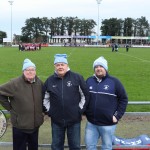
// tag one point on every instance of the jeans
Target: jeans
(94, 132)
(58, 136)
(22, 140)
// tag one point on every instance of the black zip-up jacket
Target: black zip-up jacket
(108, 98)
(65, 98)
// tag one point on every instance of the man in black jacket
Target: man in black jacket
(65, 100)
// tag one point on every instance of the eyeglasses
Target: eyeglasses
(30, 70)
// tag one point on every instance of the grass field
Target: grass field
(132, 68)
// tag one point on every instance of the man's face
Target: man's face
(29, 73)
(61, 69)
(100, 71)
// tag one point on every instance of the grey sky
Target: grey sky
(88, 9)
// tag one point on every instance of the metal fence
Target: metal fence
(8, 145)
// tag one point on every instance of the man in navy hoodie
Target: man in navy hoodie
(108, 102)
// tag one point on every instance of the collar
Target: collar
(29, 81)
(56, 74)
(100, 79)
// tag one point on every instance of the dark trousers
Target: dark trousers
(22, 140)
(58, 136)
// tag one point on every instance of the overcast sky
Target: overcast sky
(88, 9)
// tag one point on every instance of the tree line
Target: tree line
(41, 29)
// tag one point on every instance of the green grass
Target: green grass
(131, 68)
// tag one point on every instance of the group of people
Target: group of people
(65, 96)
(30, 47)
(115, 47)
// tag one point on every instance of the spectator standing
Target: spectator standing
(116, 47)
(22, 96)
(20, 47)
(107, 104)
(127, 47)
(113, 47)
(40, 46)
(66, 97)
